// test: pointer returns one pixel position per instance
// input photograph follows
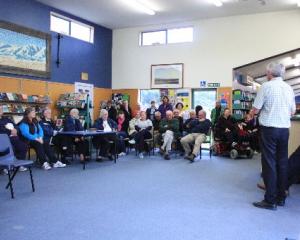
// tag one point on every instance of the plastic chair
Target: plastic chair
(9, 162)
(208, 140)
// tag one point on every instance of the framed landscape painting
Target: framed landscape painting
(167, 75)
(24, 51)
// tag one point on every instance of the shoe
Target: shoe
(141, 155)
(66, 161)
(46, 166)
(22, 169)
(281, 203)
(59, 164)
(161, 151)
(191, 157)
(167, 157)
(132, 141)
(99, 159)
(4, 172)
(122, 154)
(233, 144)
(265, 205)
(110, 157)
(186, 157)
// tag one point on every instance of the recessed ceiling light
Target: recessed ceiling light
(218, 3)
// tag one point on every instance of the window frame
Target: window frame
(70, 20)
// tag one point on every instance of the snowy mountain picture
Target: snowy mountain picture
(22, 51)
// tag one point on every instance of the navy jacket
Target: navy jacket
(72, 124)
(3, 122)
(48, 128)
(99, 124)
(163, 108)
(200, 126)
(149, 115)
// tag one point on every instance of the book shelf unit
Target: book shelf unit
(241, 103)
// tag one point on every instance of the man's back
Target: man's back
(277, 102)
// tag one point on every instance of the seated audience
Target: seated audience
(143, 127)
(151, 111)
(169, 128)
(125, 108)
(50, 132)
(156, 122)
(186, 125)
(131, 130)
(165, 106)
(8, 127)
(122, 128)
(72, 123)
(199, 129)
(32, 132)
(225, 127)
(112, 112)
(103, 141)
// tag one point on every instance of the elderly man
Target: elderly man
(186, 125)
(176, 114)
(275, 102)
(199, 129)
(169, 128)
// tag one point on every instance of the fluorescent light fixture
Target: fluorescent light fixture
(218, 3)
(298, 3)
(139, 6)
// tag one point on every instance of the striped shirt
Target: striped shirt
(276, 102)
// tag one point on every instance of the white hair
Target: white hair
(276, 69)
(102, 112)
(202, 111)
(74, 111)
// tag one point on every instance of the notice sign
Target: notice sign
(213, 85)
(202, 83)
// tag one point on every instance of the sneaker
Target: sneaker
(121, 154)
(167, 157)
(59, 164)
(46, 166)
(132, 141)
(22, 169)
(191, 158)
(141, 155)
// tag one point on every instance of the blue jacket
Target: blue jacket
(99, 124)
(72, 124)
(48, 128)
(163, 108)
(38, 131)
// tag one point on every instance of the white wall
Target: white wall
(219, 45)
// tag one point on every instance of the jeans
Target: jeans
(274, 158)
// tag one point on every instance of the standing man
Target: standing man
(216, 113)
(276, 103)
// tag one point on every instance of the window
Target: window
(146, 96)
(167, 36)
(180, 35)
(206, 98)
(70, 27)
(153, 38)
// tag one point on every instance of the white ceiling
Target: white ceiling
(117, 14)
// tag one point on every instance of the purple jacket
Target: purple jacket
(163, 108)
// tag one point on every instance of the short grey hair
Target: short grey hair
(102, 112)
(202, 111)
(276, 69)
(74, 111)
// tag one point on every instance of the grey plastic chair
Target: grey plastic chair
(9, 162)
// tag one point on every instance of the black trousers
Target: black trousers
(20, 147)
(102, 142)
(140, 137)
(294, 167)
(274, 158)
(40, 151)
(82, 146)
(49, 152)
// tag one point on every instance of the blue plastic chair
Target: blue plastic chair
(9, 162)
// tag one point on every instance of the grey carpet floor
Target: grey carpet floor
(146, 199)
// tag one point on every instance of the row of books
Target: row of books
(74, 100)
(24, 98)
(242, 95)
(17, 108)
(238, 104)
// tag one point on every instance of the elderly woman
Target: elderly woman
(165, 106)
(105, 124)
(143, 127)
(72, 123)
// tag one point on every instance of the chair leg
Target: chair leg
(10, 185)
(31, 179)
(12, 177)
(200, 152)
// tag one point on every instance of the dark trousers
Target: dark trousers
(294, 167)
(121, 143)
(140, 139)
(20, 147)
(40, 151)
(49, 151)
(103, 143)
(274, 158)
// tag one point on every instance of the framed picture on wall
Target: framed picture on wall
(24, 51)
(167, 75)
